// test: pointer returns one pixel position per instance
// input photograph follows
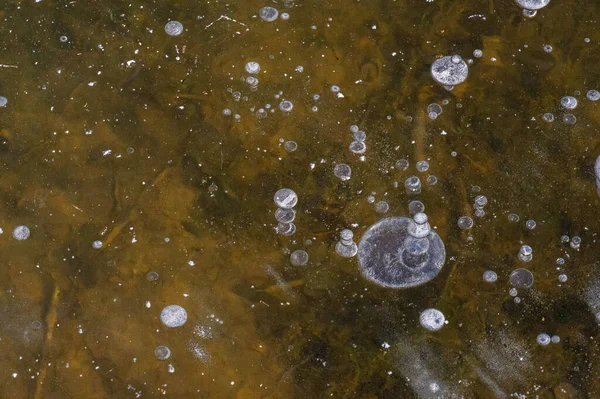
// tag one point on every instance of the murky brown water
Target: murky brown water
(116, 132)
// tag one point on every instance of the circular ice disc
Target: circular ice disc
(532, 4)
(383, 258)
(448, 71)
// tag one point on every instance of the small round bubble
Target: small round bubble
(593, 95)
(290, 146)
(543, 339)
(97, 244)
(562, 278)
(477, 53)
(560, 261)
(3, 101)
(299, 257)
(173, 316)
(555, 339)
(152, 276)
(529, 13)
(354, 128)
(432, 180)
(335, 89)
(530, 224)
(285, 16)
(513, 217)
(481, 200)
(432, 319)
(285, 215)
(490, 276)
(382, 207)
(513, 292)
(569, 119)
(548, 117)
(162, 352)
(268, 14)
(521, 278)
(174, 28)
(21, 233)
(357, 147)
(564, 238)
(402, 164)
(422, 166)
(360, 136)
(285, 198)
(575, 242)
(548, 48)
(252, 68)
(416, 207)
(342, 171)
(465, 222)
(286, 106)
(568, 102)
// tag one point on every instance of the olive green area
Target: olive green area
(118, 134)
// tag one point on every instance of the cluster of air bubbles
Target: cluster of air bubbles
(544, 339)
(285, 199)
(299, 257)
(290, 146)
(432, 319)
(3, 101)
(434, 110)
(346, 247)
(358, 146)
(525, 253)
(479, 204)
(530, 224)
(342, 171)
(174, 28)
(575, 242)
(449, 71)
(521, 278)
(477, 53)
(21, 233)
(413, 185)
(465, 222)
(162, 352)
(173, 316)
(268, 14)
(490, 276)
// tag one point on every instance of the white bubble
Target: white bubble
(465, 222)
(299, 258)
(285, 198)
(3, 101)
(543, 339)
(97, 244)
(490, 276)
(568, 102)
(173, 316)
(21, 233)
(548, 117)
(477, 53)
(449, 70)
(432, 319)
(290, 146)
(268, 14)
(382, 207)
(174, 28)
(569, 119)
(422, 166)
(252, 67)
(162, 352)
(342, 171)
(592, 95)
(286, 106)
(532, 4)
